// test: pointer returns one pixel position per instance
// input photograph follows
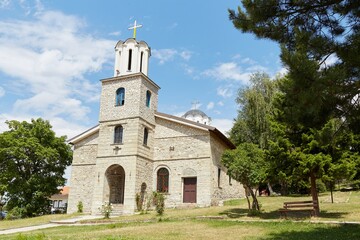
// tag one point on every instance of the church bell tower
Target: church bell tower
(131, 57)
(126, 127)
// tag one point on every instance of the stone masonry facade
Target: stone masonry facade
(104, 170)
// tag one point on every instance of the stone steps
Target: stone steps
(117, 209)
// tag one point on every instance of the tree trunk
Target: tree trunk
(255, 203)
(271, 191)
(314, 193)
(247, 196)
(284, 188)
(331, 191)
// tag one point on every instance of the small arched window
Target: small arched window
(141, 60)
(146, 134)
(130, 58)
(118, 134)
(120, 97)
(148, 97)
(163, 180)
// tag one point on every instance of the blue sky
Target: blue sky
(53, 54)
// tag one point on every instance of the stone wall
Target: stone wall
(135, 87)
(185, 152)
(83, 174)
(101, 188)
(177, 141)
(178, 170)
(81, 189)
(223, 187)
(144, 175)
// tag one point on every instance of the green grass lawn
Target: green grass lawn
(233, 223)
(7, 224)
(197, 229)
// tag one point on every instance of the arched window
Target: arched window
(130, 57)
(148, 97)
(118, 134)
(141, 60)
(120, 97)
(146, 134)
(163, 180)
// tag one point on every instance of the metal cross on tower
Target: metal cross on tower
(135, 27)
(195, 103)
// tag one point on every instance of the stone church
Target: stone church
(136, 149)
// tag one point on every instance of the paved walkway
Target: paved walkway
(58, 223)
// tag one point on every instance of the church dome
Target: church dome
(198, 116)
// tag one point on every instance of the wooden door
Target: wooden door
(189, 190)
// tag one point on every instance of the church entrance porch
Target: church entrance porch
(115, 176)
(189, 195)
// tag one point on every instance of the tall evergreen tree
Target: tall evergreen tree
(320, 43)
(311, 33)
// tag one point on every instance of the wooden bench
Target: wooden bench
(304, 206)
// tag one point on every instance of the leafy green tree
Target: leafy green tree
(317, 90)
(256, 109)
(255, 102)
(32, 164)
(247, 165)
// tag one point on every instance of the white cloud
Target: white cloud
(2, 91)
(174, 25)
(224, 125)
(217, 112)
(186, 55)
(225, 91)
(117, 33)
(256, 68)
(282, 72)
(239, 69)
(4, 3)
(228, 71)
(188, 69)
(60, 126)
(210, 105)
(220, 103)
(164, 55)
(168, 54)
(34, 6)
(248, 61)
(331, 60)
(50, 57)
(179, 114)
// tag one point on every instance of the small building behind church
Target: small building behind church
(59, 200)
(136, 149)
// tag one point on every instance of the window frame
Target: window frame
(129, 60)
(162, 180)
(148, 99)
(120, 97)
(118, 136)
(146, 136)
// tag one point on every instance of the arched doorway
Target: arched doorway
(115, 175)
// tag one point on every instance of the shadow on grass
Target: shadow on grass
(235, 212)
(241, 212)
(327, 214)
(328, 232)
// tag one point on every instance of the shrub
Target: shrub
(80, 207)
(320, 186)
(159, 201)
(106, 209)
(139, 202)
(15, 213)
